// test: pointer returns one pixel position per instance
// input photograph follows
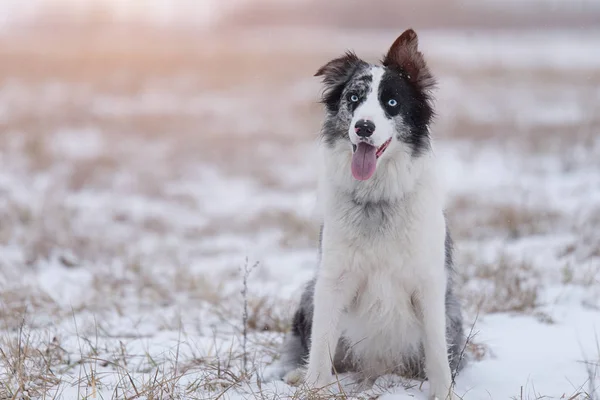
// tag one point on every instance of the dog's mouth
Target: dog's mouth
(379, 151)
(364, 159)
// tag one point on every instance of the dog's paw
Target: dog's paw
(273, 372)
(441, 389)
(295, 377)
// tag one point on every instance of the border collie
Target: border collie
(383, 299)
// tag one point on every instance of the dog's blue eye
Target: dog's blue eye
(354, 98)
(392, 103)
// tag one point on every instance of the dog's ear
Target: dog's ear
(405, 57)
(339, 68)
(336, 74)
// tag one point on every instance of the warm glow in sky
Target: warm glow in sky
(197, 12)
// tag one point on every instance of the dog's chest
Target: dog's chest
(382, 325)
(361, 217)
(371, 219)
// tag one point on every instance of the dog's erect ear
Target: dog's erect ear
(404, 56)
(338, 69)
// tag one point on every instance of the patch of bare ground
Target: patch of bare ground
(531, 75)
(472, 219)
(505, 285)
(267, 315)
(582, 255)
(296, 231)
(532, 127)
(49, 231)
(19, 301)
(540, 138)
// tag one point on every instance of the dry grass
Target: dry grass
(518, 222)
(504, 285)
(587, 247)
(473, 219)
(29, 365)
(586, 274)
(296, 231)
(36, 367)
(265, 315)
(19, 301)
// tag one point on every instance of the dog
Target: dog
(383, 299)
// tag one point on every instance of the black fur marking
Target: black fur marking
(393, 87)
(337, 73)
(341, 78)
(331, 98)
(454, 320)
(302, 321)
(412, 104)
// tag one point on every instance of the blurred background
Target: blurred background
(149, 149)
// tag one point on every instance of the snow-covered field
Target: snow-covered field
(141, 185)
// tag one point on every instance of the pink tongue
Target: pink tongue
(364, 161)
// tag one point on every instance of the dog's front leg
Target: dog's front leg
(334, 292)
(433, 312)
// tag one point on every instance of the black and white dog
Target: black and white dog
(383, 299)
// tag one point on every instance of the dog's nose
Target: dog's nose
(364, 128)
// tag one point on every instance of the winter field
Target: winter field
(153, 190)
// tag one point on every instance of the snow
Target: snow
(543, 359)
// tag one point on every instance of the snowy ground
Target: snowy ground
(134, 185)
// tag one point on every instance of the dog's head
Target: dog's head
(377, 110)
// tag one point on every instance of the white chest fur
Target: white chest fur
(381, 243)
(382, 326)
(382, 279)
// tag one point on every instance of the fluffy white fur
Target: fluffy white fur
(366, 281)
